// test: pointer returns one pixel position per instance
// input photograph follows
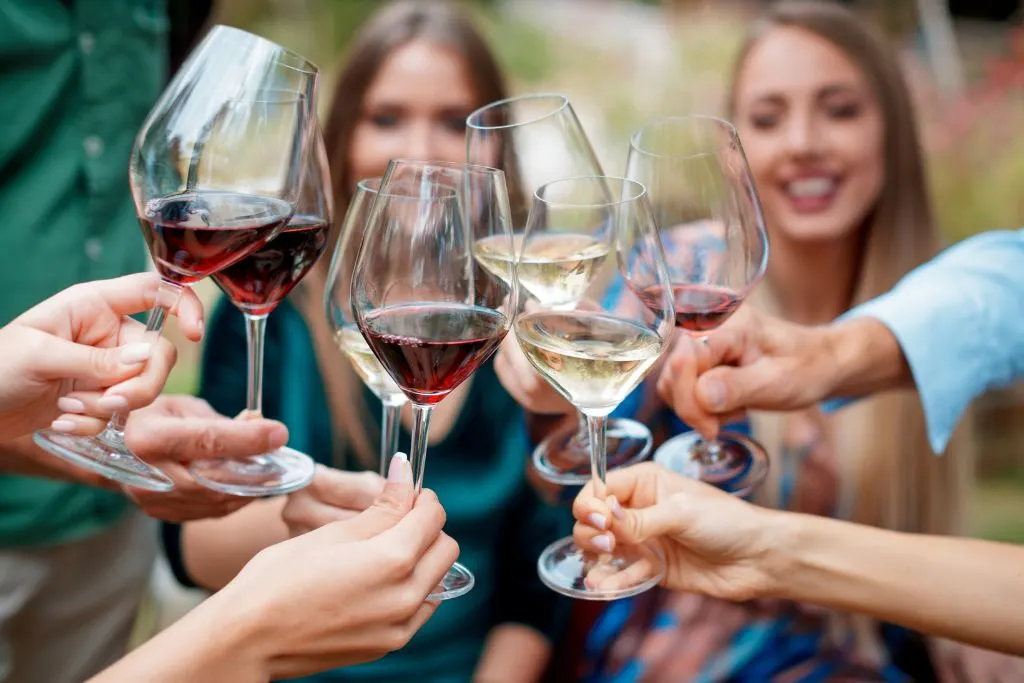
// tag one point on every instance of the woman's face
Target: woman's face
(415, 108)
(813, 134)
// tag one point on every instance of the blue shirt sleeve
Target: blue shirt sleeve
(960, 322)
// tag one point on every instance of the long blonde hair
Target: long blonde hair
(888, 475)
(395, 25)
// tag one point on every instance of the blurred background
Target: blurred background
(622, 62)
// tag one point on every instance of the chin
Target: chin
(821, 228)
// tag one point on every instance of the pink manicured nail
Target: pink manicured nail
(66, 404)
(613, 504)
(399, 471)
(598, 520)
(62, 426)
(112, 403)
(602, 542)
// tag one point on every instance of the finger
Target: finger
(422, 616)
(390, 507)
(143, 389)
(351, 490)
(141, 292)
(731, 389)
(70, 423)
(584, 534)
(634, 526)
(102, 367)
(684, 369)
(605, 578)
(419, 529)
(191, 317)
(154, 436)
(433, 564)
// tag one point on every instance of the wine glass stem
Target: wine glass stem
(597, 427)
(709, 452)
(255, 331)
(418, 457)
(391, 412)
(167, 297)
(582, 429)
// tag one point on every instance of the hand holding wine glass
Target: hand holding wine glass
(338, 307)
(598, 350)
(429, 313)
(256, 285)
(713, 234)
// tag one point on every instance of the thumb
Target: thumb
(391, 505)
(637, 526)
(103, 367)
(727, 389)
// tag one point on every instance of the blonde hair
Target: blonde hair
(888, 475)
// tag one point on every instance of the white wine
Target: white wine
(556, 268)
(592, 359)
(350, 340)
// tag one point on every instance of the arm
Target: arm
(962, 589)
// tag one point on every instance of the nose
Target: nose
(802, 135)
(420, 141)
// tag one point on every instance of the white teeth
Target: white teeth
(811, 187)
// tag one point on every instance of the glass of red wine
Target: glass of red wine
(537, 139)
(214, 173)
(712, 231)
(429, 313)
(596, 352)
(338, 307)
(256, 285)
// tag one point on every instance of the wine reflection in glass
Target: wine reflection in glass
(213, 173)
(430, 315)
(713, 234)
(338, 307)
(536, 139)
(256, 285)
(598, 350)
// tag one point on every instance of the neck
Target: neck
(813, 281)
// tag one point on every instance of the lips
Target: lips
(810, 194)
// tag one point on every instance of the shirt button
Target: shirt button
(93, 249)
(86, 42)
(93, 146)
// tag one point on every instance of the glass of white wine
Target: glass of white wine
(597, 349)
(535, 139)
(338, 306)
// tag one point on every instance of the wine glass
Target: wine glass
(428, 312)
(256, 285)
(213, 172)
(598, 350)
(537, 139)
(338, 305)
(713, 233)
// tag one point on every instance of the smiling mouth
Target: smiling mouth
(811, 188)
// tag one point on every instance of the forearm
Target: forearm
(867, 358)
(514, 653)
(961, 589)
(205, 646)
(215, 550)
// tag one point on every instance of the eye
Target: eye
(454, 124)
(846, 110)
(384, 120)
(764, 121)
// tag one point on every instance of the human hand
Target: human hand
(78, 354)
(713, 543)
(348, 592)
(177, 429)
(753, 361)
(332, 496)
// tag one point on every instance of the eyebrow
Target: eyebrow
(827, 91)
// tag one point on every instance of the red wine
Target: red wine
(195, 234)
(699, 308)
(432, 348)
(258, 283)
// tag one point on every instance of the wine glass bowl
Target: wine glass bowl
(214, 171)
(428, 312)
(535, 139)
(597, 350)
(712, 231)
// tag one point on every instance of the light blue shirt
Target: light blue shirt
(960, 322)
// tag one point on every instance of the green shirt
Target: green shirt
(78, 79)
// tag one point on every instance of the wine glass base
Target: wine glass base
(458, 581)
(563, 458)
(271, 474)
(741, 467)
(630, 570)
(114, 461)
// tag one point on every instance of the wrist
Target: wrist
(864, 356)
(785, 537)
(235, 637)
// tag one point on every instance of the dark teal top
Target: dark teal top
(478, 472)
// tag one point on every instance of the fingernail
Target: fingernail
(136, 353)
(62, 426)
(613, 504)
(278, 437)
(399, 471)
(714, 393)
(598, 520)
(112, 403)
(66, 404)
(602, 542)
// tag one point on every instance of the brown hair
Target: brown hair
(394, 26)
(888, 475)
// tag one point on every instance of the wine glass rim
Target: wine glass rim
(262, 95)
(302, 63)
(634, 139)
(371, 185)
(640, 191)
(563, 104)
(455, 165)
